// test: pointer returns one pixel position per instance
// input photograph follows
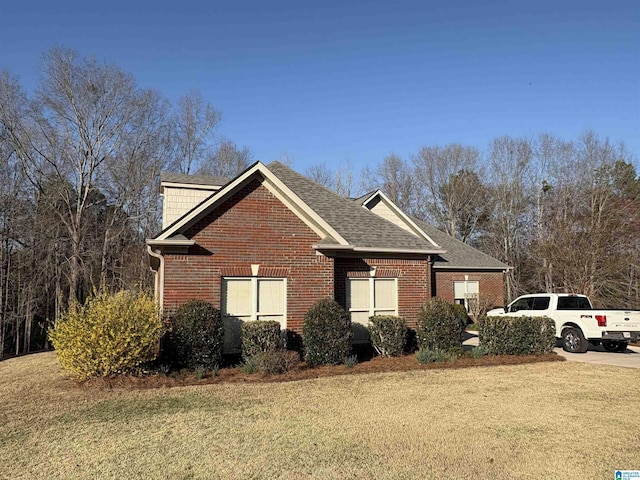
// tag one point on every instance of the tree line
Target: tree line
(80, 157)
(565, 214)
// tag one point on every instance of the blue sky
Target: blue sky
(350, 80)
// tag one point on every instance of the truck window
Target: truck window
(541, 303)
(573, 303)
(521, 304)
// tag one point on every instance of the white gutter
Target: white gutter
(352, 248)
(171, 243)
(159, 277)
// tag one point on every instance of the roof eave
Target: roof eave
(354, 248)
(170, 243)
(462, 267)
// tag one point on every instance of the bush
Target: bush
(517, 335)
(479, 351)
(196, 336)
(440, 325)
(427, 355)
(276, 362)
(110, 334)
(260, 336)
(326, 333)
(249, 365)
(351, 361)
(388, 335)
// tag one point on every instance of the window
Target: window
(573, 303)
(522, 304)
(254, 298)
(541, 303)
(367, 297)
(466, 293)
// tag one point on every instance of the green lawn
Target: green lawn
(540, 421)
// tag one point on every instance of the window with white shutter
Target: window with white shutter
(367, 297)
(252, 298)
(466, 293)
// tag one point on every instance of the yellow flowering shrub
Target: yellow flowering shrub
(110, 334)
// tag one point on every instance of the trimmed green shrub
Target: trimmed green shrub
(110, 334)
(196, 336)
(388, 334)
(260, 336)
(517, 335)
(326, 333)
(276, 362)
(440, 325)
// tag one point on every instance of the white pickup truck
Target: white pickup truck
(577, 322)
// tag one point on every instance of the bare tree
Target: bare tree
(448, 188)
(79, 123)
(341, 181)
(194, 122)
(227, 160)
(396, 179)
(510, 163)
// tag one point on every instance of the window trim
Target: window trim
(254, 297)
(468, 296)
(371, 310)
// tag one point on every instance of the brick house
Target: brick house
(269, 243)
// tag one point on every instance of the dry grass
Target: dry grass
(544, 420)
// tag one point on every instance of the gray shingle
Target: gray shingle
(356, 224)
(459, 254)
(193, 179)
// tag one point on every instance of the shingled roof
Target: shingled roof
(458, 254)
(357, 225)
(361, 229)
(193, 179)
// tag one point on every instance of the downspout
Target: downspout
(159, 277)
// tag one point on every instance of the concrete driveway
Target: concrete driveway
(630, 358)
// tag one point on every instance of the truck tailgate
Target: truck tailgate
(620, 320)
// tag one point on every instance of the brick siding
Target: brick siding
(251, 227)
(254, 227)
(413, 275)
(490, 283)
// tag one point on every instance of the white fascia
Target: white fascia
(352, 248)
(277, 188)
(169, 242)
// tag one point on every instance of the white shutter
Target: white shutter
(236, 309)
(358, 298)
(271, 300)
(237, 297)
(270, 296)
(459, 289)
(384, 296)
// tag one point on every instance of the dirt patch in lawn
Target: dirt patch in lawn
(305, 372)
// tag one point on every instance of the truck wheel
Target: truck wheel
(622, 347)
(573, 340)
(611, 346)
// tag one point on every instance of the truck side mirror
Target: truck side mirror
(506, 309)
